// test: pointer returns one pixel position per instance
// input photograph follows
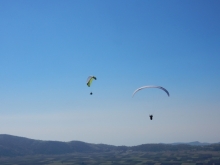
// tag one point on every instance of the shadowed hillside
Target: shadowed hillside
(20, 146)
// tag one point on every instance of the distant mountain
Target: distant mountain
(20, 146)
(195, 143)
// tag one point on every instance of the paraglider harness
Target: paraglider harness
(151, 117)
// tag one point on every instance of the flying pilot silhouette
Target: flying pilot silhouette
(90, 93)
(151, 117)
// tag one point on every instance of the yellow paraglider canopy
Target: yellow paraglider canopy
(90, 79)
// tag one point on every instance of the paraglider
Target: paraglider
(151, 86)
(89, 81)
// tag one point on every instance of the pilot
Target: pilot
(151, 117)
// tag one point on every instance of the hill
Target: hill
(20, 146)
(195, 143)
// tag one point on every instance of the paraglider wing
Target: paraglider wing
(150, 87)
(90, 79)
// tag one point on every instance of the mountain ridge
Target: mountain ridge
(194, 143)
(11, 145)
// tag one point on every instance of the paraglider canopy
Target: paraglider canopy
(89, 80)
(151, 86)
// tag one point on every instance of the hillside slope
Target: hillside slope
(20, 146)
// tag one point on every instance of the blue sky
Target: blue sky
(49, 48)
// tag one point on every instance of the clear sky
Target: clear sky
(49, 48)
